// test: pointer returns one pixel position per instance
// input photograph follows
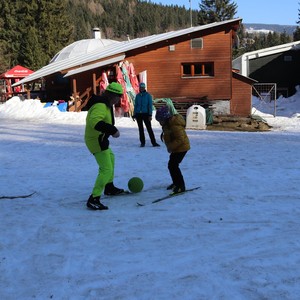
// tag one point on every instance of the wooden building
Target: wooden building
(190, 66)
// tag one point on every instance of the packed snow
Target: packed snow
(237, 237)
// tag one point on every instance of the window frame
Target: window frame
(197, 43)
(197, 69)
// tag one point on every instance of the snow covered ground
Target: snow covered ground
(238, 237)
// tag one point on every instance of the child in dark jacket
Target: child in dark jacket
(177, 143)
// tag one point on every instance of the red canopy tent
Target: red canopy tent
(10, 77)
(16, 72)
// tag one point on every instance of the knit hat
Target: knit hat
(162, 114)
(142, 85)
(115, 87)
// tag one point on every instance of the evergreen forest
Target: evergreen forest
(33, 31)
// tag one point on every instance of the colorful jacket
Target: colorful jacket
(143, 104)
(174, 134)
(99, 124)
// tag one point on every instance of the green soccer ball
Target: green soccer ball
(135, 185)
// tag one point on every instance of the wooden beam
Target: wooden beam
(94, 84)
(75, 93)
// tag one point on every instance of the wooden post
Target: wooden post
(75, 93)
(94, 84)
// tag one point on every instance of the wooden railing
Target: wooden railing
(80, 101)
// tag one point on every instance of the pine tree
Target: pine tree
(56, 27)
(296, 35)
(216, 11)
(32, 32)
(272, 39)
(285, 38)
(31, 52)
(9, 34)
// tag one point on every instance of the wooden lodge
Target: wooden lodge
(189, 66)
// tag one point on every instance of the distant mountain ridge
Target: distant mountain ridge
(289, 29)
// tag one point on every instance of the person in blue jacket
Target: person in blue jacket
(143, 114)
(100, 125)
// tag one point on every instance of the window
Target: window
(197, 43)
(172, 48)
(197, 69)
(287, 58)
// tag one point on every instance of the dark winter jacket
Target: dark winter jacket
(99, 124)
(174, 134)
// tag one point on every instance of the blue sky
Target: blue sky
(254, 11)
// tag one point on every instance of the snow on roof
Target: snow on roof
(114, 49)
(82, 47)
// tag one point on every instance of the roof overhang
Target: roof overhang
(243, 78)
(95, 65)
(273, 50)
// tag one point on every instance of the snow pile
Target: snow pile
(286, 111)
(34, 110)
(18, 109)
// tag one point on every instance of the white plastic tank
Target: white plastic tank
(196, 117)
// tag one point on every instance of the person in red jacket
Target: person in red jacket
(99, 127)
(177, 142)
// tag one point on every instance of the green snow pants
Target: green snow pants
(106, 162)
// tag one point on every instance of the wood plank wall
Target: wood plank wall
(164, 69)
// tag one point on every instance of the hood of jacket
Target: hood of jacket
(97, 99)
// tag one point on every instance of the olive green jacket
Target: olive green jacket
(174, 134)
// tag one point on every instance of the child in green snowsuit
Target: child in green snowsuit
(99, 126)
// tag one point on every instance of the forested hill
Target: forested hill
(118, 19)
(289, 29)
(32, 32)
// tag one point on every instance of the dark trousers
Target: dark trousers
(173, 166)
(144, 118)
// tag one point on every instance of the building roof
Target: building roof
(241, 63)
(95, 65)
(111, 50)
(82, 47)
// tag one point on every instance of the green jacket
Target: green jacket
(174, 134)
(99, 124)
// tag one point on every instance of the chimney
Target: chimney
(96, 33)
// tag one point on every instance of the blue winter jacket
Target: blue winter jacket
(143, 104)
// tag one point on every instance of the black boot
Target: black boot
(111, 190)
(171, 186)
(94, 203)
(178, 190)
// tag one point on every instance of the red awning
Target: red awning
(16, 72)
